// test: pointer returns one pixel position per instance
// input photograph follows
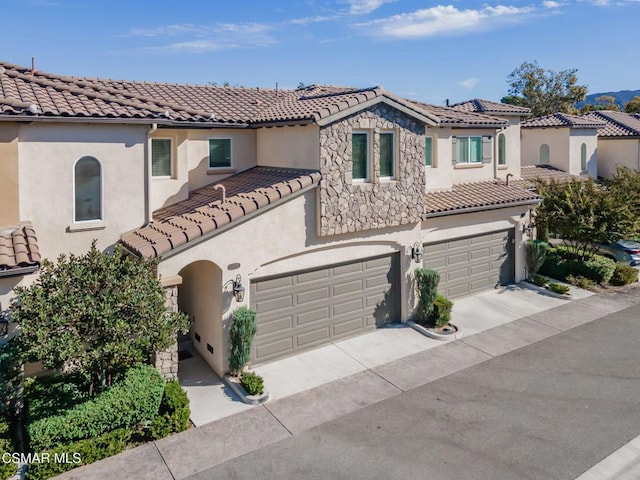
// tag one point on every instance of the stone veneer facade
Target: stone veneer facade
(346, 206)
(167, 361)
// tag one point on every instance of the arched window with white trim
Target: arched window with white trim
(583, 157)
(544, 154)
(502, 149)
(87, 189)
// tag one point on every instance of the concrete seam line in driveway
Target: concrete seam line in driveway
(478, 348)
(155, 444)
(277, 419)
(386, 379)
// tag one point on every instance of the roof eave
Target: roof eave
(483, 207)
(14, 272)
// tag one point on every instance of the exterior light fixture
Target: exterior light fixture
(238, 289)
(416, 252)
(527, 228)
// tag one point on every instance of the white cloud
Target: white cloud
(551, 4)
(206, 38)
(447, 19)
(362, 7)
(601, 3)
(469, 83)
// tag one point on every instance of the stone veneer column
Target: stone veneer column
(166, 361)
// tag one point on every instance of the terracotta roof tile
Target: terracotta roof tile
(18, 248)
(205, 212)
(563, 120)
(616, 124)
(449, 116)
(530, 173)
(472, 196)
(487, 106)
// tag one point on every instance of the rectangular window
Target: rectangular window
(161, 153)
(387, 155)
(428, 151)
(219, 153)
(468, 150)
(360, 155)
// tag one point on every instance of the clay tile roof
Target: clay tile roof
(476, 196)
(563, 120)
(205, 211)
(449, 116)
(530, 173)
(616, 124)
(487, 106)
(18, 249)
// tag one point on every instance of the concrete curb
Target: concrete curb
(546, 291)
(233, 383)
(431, 334)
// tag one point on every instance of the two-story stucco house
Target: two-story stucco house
(313, 206)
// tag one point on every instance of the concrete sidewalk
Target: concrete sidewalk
(374, 372)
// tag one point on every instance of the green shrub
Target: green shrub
(243, 329)
(580, 281)
(52, 395)
(624, 275)
(535, 253)
(252, 383)
(600, 269)
(561, 263)
(10, 378)
(134, 401)
(87, 451)
(539, 280)
(441, 314)
(427, 283)
(7, 445)
(558, 288)
(174, 412)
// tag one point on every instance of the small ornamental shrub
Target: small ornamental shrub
(174, 412)
(252, 383)
(243, 330)
(600, 269)
(624, 275)
(7, 445)
(132, 402)
(561, 263)
(539, 280)
(82, 452)
(10, 379)
(580, 281)
(558, 288)
(427, 283)
(441, 313)
(535, 253)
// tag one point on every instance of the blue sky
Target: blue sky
(429, 51)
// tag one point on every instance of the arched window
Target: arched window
(583, 157)
(544, 154)
(87, 179)
(502, 149)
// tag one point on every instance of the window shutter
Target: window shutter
(486, 149)
(454, 152)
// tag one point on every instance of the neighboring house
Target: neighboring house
(618, 141)
(566, 142)
(320, 202)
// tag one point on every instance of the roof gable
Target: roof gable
(558, 120)
(487, 106)
(616, 124)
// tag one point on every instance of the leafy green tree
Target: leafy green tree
(585, 213)
(95, 314)
(544, 91)
(633, 105)
(603, 102)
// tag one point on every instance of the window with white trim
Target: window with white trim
(87, 189)
(544, 154)
(583, 157)
(360, 155)
(161, 157)
(471, 150)
(502, 149)
(429, 159)
(387, 155)
(220, 153)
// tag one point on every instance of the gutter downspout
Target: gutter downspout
(147, 174)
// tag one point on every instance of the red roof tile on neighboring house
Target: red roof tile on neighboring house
(546, 173)
(563, 120)
(205, 212)
(487, 106)
(18, 249)
(466, 197)
(449, 116)
(616, 124)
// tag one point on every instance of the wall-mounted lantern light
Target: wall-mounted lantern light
(416, 252)
(527, 229)
(238, 289)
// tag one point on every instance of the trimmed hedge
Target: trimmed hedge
(560, 264)
(174, 412)
(252, 383)
(441, 314)
(7, 445)
(133, 401)
(87, 451)
(624, 275)
(427, 283)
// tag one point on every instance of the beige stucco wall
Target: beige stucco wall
(292, 147)
(556, 138)
(617, 152)
(512, 147)
(47, 155)
(590, 138)
(9, 198)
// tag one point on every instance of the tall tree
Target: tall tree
(544, 91)
(633, 105)
(603, 102)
